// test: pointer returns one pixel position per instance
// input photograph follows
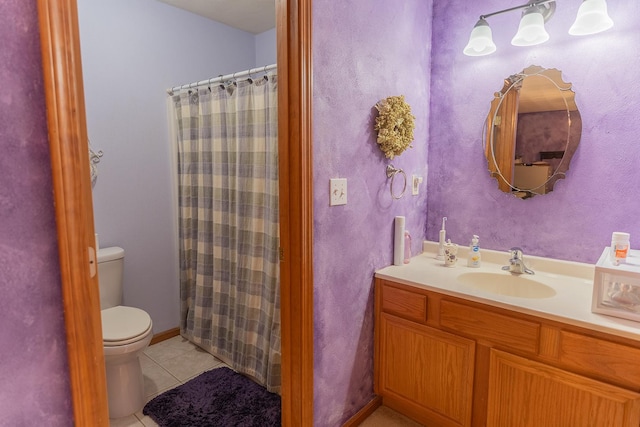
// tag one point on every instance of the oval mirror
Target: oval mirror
(533, 129)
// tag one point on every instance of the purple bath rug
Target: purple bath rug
(217, 398)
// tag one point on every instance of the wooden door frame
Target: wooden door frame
(296, 208)
(66, 119)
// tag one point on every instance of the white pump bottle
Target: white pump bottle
(473, 259)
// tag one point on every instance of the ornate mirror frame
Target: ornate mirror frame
(66, 120)
(529, 115)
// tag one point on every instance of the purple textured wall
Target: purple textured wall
(363, 51)
(547, 131)
(33, 356)
(600, 194)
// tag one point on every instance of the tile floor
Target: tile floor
(385, 417)
(166, 365)
(175, 361)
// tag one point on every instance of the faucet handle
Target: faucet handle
(516, 252)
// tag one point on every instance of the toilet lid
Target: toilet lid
(123, 323)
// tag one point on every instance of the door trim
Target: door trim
(66, 119)
(296, 209)
(64, 97)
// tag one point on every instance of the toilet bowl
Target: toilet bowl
(126, 332)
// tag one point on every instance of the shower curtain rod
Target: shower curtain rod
(222, 78)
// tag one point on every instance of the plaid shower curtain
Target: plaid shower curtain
(228, 224)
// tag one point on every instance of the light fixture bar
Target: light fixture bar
(481, 38)
(592, 18)
(524, 6)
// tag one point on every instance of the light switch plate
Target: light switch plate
(415, 184)
(337, 191)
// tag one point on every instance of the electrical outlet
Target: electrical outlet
(337, 191)
(415, 184)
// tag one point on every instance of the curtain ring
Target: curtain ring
(391, 173)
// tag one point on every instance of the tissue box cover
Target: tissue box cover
(616, 288)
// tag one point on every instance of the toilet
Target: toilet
(126, 332)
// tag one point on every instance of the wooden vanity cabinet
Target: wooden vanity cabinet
(446, 361)
(526, 393)
(426, 373)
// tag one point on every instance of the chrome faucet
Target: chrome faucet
(516, 263)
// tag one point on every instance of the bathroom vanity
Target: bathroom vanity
(449, 353)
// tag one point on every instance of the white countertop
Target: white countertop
(572, 281)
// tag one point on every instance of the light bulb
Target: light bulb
(531, 29)
(481, 40)
(592, 18)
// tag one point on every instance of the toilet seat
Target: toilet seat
(123, 325)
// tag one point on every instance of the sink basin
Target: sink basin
(523, 286)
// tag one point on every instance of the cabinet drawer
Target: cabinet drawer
(604, 359)
(494, 328)
(406, 304)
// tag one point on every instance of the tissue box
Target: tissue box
(616, 288)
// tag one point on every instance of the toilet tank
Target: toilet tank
(110, 269)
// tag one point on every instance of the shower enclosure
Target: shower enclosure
(227, 148)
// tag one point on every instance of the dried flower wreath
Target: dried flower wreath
(395, 125)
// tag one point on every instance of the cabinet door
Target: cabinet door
(425, 373)
(525, 393)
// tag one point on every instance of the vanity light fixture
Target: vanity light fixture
(531, 29)
(592, 18)
(481, 40)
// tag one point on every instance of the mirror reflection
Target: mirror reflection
(533, 130)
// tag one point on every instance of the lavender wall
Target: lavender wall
(600, 194)
(547, 131)
(132, 51)
(266, 48)
(33, 355)
(363, 51)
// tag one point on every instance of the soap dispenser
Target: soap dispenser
(473, 259)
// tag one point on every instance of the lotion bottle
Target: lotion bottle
(473, 259)
(442, 240)
(407, 247)
(619, 247)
